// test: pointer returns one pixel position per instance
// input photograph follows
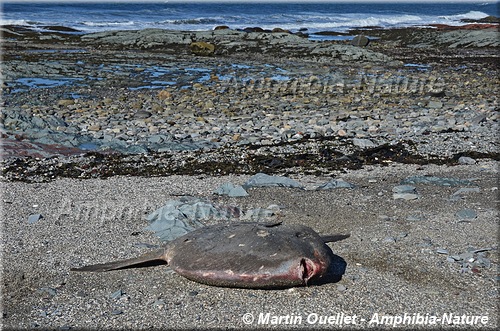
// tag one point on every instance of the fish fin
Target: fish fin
(136, 261)
(335, 237)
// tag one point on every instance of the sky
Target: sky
(303, 1)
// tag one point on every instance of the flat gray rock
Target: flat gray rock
(263, 180)
(231, 190)
(34, 218)
(335, 183)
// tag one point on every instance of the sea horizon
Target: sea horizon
(94, 16)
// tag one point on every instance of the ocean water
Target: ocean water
(321, 16)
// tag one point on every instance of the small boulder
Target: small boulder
(275, 30)
(254, 29)
(360, 41)
(65, 102)
(202, 48)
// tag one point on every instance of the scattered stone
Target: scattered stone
(142, 114)
(402, 235)
(341, 287)
(334, 184)
(160, 303)
(405, 192)
(466, 214)
(360, 40)
(164, 94)
(472, 260)
(384, 218)
(466, 160)
(478, 119)
(241, 103)
(464, 190)
(405, 196)
(258, 214)
(404, 189)
(66, 102)
(435, 104)
(389, 239)
(95, 127)
(117, 295)
(440, 181)
(48, 290)
(263, 180)
(363, 143)
(231, 190)
(415, 218)
(442, 251)
(88, 147)
(34, 218)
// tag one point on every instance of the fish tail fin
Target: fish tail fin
(335, 237)
(143, 259)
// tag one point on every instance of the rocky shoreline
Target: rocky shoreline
(402, 154)
(156, 102)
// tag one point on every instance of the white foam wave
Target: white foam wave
(108, 24)
(313, 21)
(473, 15)
(16, 22)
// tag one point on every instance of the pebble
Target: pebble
(34, 218)
(160, 303)
(404, 189)
(341, 288)
(334, 184)
(117, 295)
(231, 190)
(466, 214)
(405, 196)
(389, 239)
(435, 104)
(466, 160)
(442, 251)
(415, 218)
(464, 190)
(471, 260)
(405, 192)
(363, 143)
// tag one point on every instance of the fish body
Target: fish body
(246, 255)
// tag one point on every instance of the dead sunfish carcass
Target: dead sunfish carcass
(246, 255)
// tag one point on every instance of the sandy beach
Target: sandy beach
(395, 259)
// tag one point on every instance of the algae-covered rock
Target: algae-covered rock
(202, 48)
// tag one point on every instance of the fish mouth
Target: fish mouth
(308, 269)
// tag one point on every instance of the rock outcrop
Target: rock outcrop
(233, 42)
